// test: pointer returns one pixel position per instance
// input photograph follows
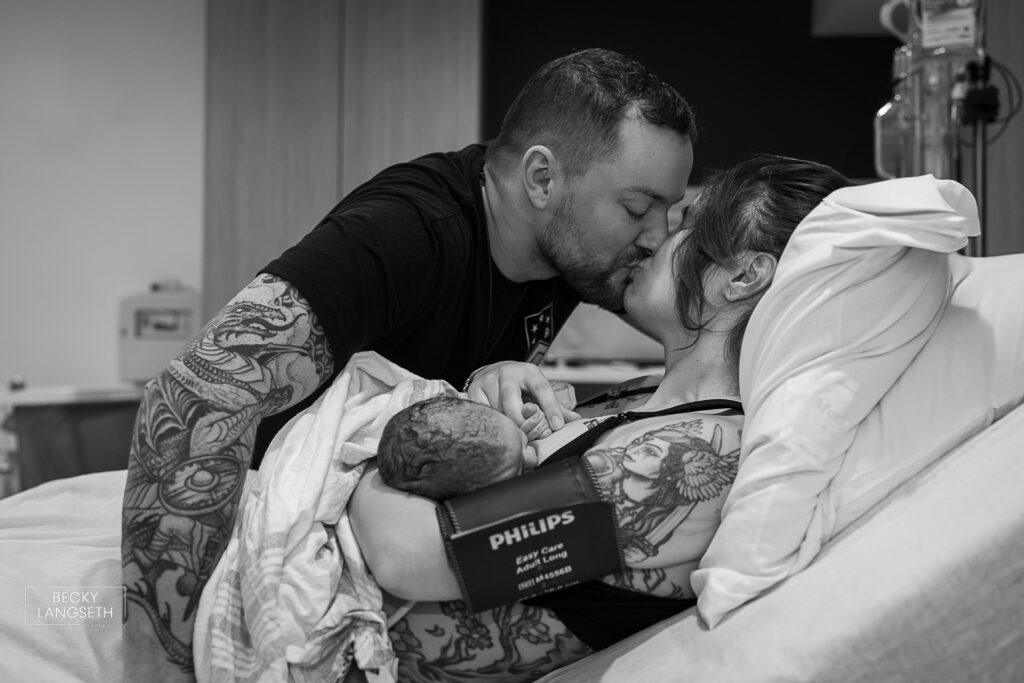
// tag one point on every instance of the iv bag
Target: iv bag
(916, 131)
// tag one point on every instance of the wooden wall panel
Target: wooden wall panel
(1005, 194)
(412, 81)
(271, 134)
(305, 95)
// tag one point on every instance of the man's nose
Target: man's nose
(653, 234)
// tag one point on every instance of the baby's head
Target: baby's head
(446, 446)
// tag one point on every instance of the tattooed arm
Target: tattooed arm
(192, 445)
(668, 479)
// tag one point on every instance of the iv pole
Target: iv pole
(977, 104)
(981, 106)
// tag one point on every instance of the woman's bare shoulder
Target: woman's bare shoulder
(667, 477)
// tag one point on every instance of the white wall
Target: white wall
(101, 174)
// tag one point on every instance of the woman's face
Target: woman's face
(650, 298)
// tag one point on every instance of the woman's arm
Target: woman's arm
(401, 541)
(668, 479)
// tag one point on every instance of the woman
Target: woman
(667, 475)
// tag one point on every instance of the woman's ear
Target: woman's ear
(754, 274)
(539, 171)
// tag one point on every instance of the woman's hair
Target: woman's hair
(753, 206)
(574, 105)
(442, 447)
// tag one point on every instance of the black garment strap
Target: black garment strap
(601, 615)
(615, 395)
(581, 443)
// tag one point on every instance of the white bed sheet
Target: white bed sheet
(929, 586)
(62, 533)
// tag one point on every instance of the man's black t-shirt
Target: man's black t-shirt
(402, 266)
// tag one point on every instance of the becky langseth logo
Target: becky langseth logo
(74, 606)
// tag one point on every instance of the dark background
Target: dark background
(756, 78)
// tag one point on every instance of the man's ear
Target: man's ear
(752, 277)
(539, 175)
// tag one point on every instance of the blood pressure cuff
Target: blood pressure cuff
(541, 531)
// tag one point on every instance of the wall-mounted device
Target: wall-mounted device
(155, 326)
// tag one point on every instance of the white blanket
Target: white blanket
(291, 599)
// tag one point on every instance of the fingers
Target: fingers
(503, 386)
(566, 394)
(499, 386)
(530, 457)
(510, 391)
(476, 393)
(543, 394)
(535, 424)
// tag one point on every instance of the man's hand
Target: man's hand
(525, 395)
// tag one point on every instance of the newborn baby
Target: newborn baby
(446, 446)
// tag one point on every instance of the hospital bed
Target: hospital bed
(929, 586)
(921, 578)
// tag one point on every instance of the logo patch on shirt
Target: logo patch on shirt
(540, 327)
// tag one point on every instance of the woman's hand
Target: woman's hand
(504, 386)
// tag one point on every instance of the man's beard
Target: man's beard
(595, 281)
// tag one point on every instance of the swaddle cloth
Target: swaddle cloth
(291, 598)
(858, 291)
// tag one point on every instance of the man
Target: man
(442, 265)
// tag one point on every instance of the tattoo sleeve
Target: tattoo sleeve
(446, 642)
(191, 448)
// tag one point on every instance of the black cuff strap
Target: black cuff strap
(538, 532)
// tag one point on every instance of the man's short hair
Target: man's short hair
(574, 105)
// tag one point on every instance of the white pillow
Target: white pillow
(969, 374)
(859, 290)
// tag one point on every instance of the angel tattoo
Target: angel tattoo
(658, 478)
